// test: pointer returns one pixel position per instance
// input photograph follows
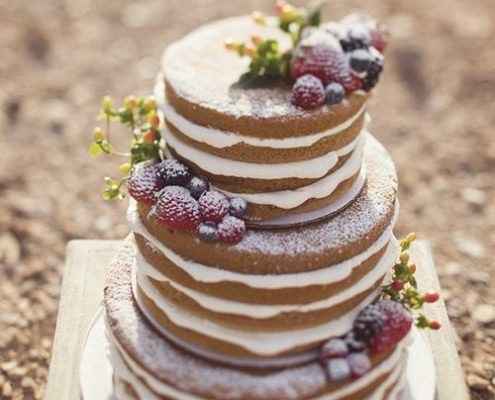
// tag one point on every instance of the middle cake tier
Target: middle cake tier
(277, 293)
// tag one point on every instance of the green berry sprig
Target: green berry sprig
(403, 287)
(267, 59)
(140, 115)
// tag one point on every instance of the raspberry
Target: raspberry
(213, 206)
(308, 92)
(231, 229)
(208, 232)
(359, 364)
(197, 186)
(174, 173)
(378, 39)
(335, 93)
(238, 207)
(397, 323)
(353, 83)
(338, 369)
(334, 348)
(326, 63)
(177, 209)
(368, 323)
(144, 184)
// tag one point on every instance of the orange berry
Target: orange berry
(431, 297)
(435, 325)
(149, 136)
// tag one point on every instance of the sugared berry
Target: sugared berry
(173, 172)
(144, 184)
(177, 209)
(397, 323)
(338, 369)
(326, 63)
(357, 37)
(335, 93)
(368, 323)
(378, 39)
(359, 364)
(208, 231)
(353, 83)
(197, 186)
(238, 207)
(374, 70)
(360, 60)
(213, 206)
(334, 348)
(231, 229)
(308, 92)
(353, 343)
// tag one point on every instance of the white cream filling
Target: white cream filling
(288, 199)
(222, 139)
(259, 311)
(264, 344)
(135, 372)
(210, 274)
(308, 169)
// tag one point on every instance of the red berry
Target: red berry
(177, 209)
(431, 297)
(326, 63)
(352, 83)
(144, 184)
(359, 363)
(397, 286)
(231, 229)
(308, 92)
(378, 39)
(435, 325)
(213, 206)
(396, 324)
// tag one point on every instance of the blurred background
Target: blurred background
(434, 111)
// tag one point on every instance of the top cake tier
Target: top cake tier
(250, 140)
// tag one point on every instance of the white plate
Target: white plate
(96, 370)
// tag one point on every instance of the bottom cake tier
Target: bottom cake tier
(148, 366)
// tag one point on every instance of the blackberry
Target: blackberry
(197, 186)
(369, 323)
(208, 232)
(373, 72)
(357, 37)
(360, 60)
(174, 173)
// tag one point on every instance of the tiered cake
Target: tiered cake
(262, 303)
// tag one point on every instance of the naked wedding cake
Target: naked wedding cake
(262, 263)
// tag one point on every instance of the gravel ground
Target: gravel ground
(434, 111)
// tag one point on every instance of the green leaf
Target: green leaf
(95, 149)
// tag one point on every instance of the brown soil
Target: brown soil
(434, 112)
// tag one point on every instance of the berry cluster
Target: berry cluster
(344, 57)
(403, 287)
(344, 358)
(182, 201)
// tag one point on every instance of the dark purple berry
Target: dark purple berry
(208, 232)
(238, 207)
(358, 36)
(334, 348)
(359, 364)
(335, 93)
(368, 323)
(360, 60)
(308, 92)
(353, 343)
(213, 206)
(374, 70)
(197, 186)
(338, 369)
(174, 173)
